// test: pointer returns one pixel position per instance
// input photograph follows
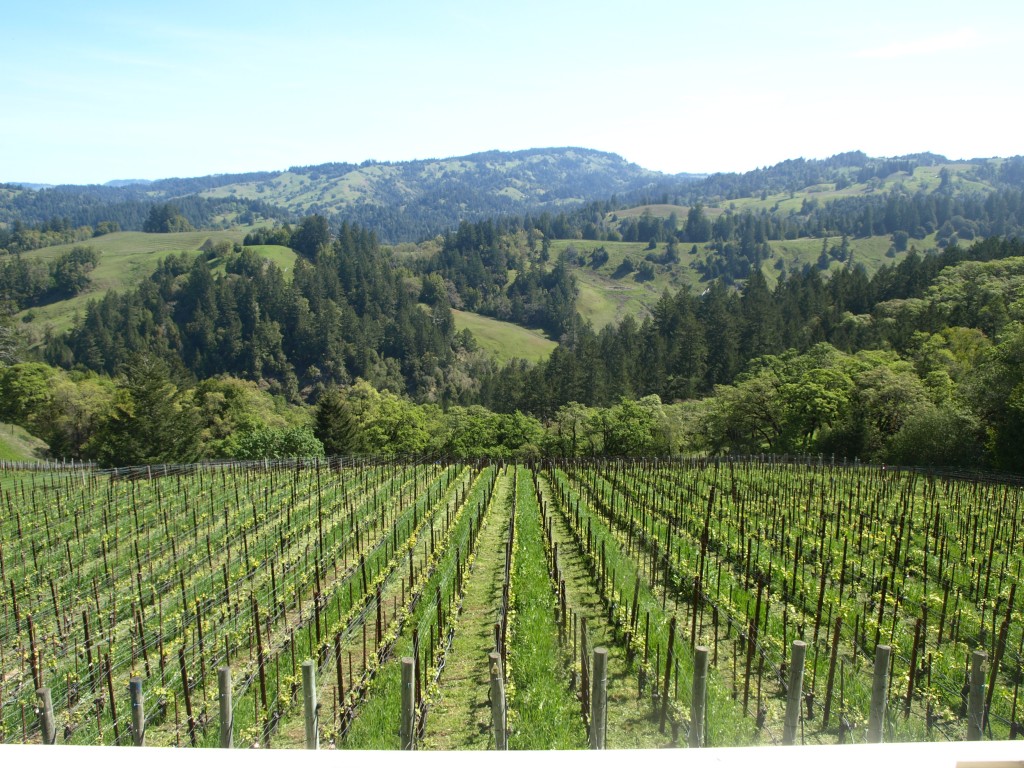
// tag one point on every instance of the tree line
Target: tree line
(127, 208)
(352, 318)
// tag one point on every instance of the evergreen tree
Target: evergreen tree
(334, 424)
(150, 422)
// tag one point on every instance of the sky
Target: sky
(104, 90)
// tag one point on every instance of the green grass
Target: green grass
(505, 340)
(375, 727)
(605, 298)
(726, 724)
(542, 713)
(279, 255)
(460, 716)
(629, 721)
(18, 445)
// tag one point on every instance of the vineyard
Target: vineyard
(446, 605)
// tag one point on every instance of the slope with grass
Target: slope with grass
(610, 292)
(126, 259)
(504, 340)
(18, 445)
(631, 718)
(542, 712)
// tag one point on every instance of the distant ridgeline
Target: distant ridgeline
(420, 199)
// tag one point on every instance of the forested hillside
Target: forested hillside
(344, 313)
(872, 312)
(918, 363)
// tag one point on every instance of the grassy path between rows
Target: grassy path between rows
(631, 723)
(461, 716)
(543, 712)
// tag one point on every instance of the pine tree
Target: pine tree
(150, 422)
(335, 426)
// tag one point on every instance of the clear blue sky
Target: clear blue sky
(92, 91)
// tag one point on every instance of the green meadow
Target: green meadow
(504, 340)
(18, 445)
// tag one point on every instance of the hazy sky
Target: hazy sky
(92, 91)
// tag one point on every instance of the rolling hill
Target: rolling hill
(401, 201)
(126, 258)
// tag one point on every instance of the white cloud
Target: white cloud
(961, 38)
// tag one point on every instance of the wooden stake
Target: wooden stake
(879, 689)
(46, 722)
(976, 697)
(599, 699)
(497, 701)
(698, 697)
(407, 723)
(794, 692)
(310, 707)
(138, 712)
(188, 697)
(227, 725)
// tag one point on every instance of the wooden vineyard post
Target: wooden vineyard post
(138, 712)
(309, 704)
(113, 701)
(497, 701)
(46, 723)
(668, 669)
(584, 669)
(599, 699)
(913, 669)
(879, 689)
(260, 666)
(794, 692)
(997, 653)
(831, 673)
(337, 666)
(976, 697)
(699, 696)
(188, 697)
(406, 730)
(88, 651)
(227, 729)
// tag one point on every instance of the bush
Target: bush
(275, 443)
(938, 436)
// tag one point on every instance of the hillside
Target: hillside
(408, 200)
(520, 274)
(504, 341)
(583, 193)
(608, 292)
(126, 259)
(416, 199)
(18, 445)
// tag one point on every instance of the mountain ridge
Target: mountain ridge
(414, 200)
